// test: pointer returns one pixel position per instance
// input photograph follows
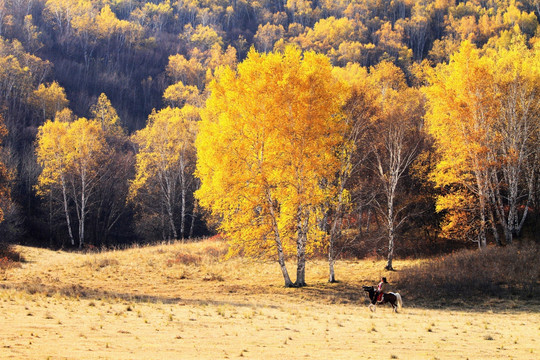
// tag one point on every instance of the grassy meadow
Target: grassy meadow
(182, 301)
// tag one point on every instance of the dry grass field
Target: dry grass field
(182, 301)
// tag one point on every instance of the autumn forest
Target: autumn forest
(289, 127)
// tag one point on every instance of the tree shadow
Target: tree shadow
(81, 292)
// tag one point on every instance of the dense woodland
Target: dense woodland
(423, 131)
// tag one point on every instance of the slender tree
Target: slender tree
(395, 140)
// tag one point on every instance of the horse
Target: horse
(393, 298)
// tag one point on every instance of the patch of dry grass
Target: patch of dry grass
(185, 301)
(495, 272)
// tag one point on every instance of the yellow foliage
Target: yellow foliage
(164, 145)
(179, 94)
(65, 149)
(105, 114)
(461, 108)
(50, 99)
(205, 37)
(267, 140)
(479, 110)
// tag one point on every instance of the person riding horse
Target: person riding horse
(381, 289)
(379, 295)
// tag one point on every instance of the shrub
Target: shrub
(6, 264)
(217, 237)
(9, 258)
(214, 251)
(7, 251)
(186, 259)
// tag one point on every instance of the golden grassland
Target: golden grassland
(182, 301)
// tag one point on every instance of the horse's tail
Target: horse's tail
(399, 301)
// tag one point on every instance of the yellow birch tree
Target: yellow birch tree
(71, 155)
(164, 164)
(461, 109)
(265, 149)
(50, 99)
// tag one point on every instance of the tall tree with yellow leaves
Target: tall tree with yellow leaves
(71, 155)
(461, 111)
(54, 165)
(396, 141)
(516, 131)
(483, 114)
(266, 147)
(514, 151)
(165, 162)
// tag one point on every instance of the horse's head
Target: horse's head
(370, 292)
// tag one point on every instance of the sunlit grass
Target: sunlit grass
(183, 300)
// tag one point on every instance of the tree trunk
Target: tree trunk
(281, 261)
(391, 229)
(82, 214)
(481, 185)
(301, 263)
(171, 219)
(183, 211)
(494, 228)
(335, 233)
(390, 250)
(192, 225)
(50, 221)
(66, 210)
(162, 218)
(183, 199)
(279, 245)
(331, 273)
(482, 242)
(301, 250)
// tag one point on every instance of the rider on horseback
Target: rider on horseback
(381, 289)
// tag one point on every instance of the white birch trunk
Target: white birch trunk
(66, 210)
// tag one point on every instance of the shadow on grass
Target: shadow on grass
(341, 293)
(475, 301)
(82, 292)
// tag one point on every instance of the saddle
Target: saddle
(380, 297)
